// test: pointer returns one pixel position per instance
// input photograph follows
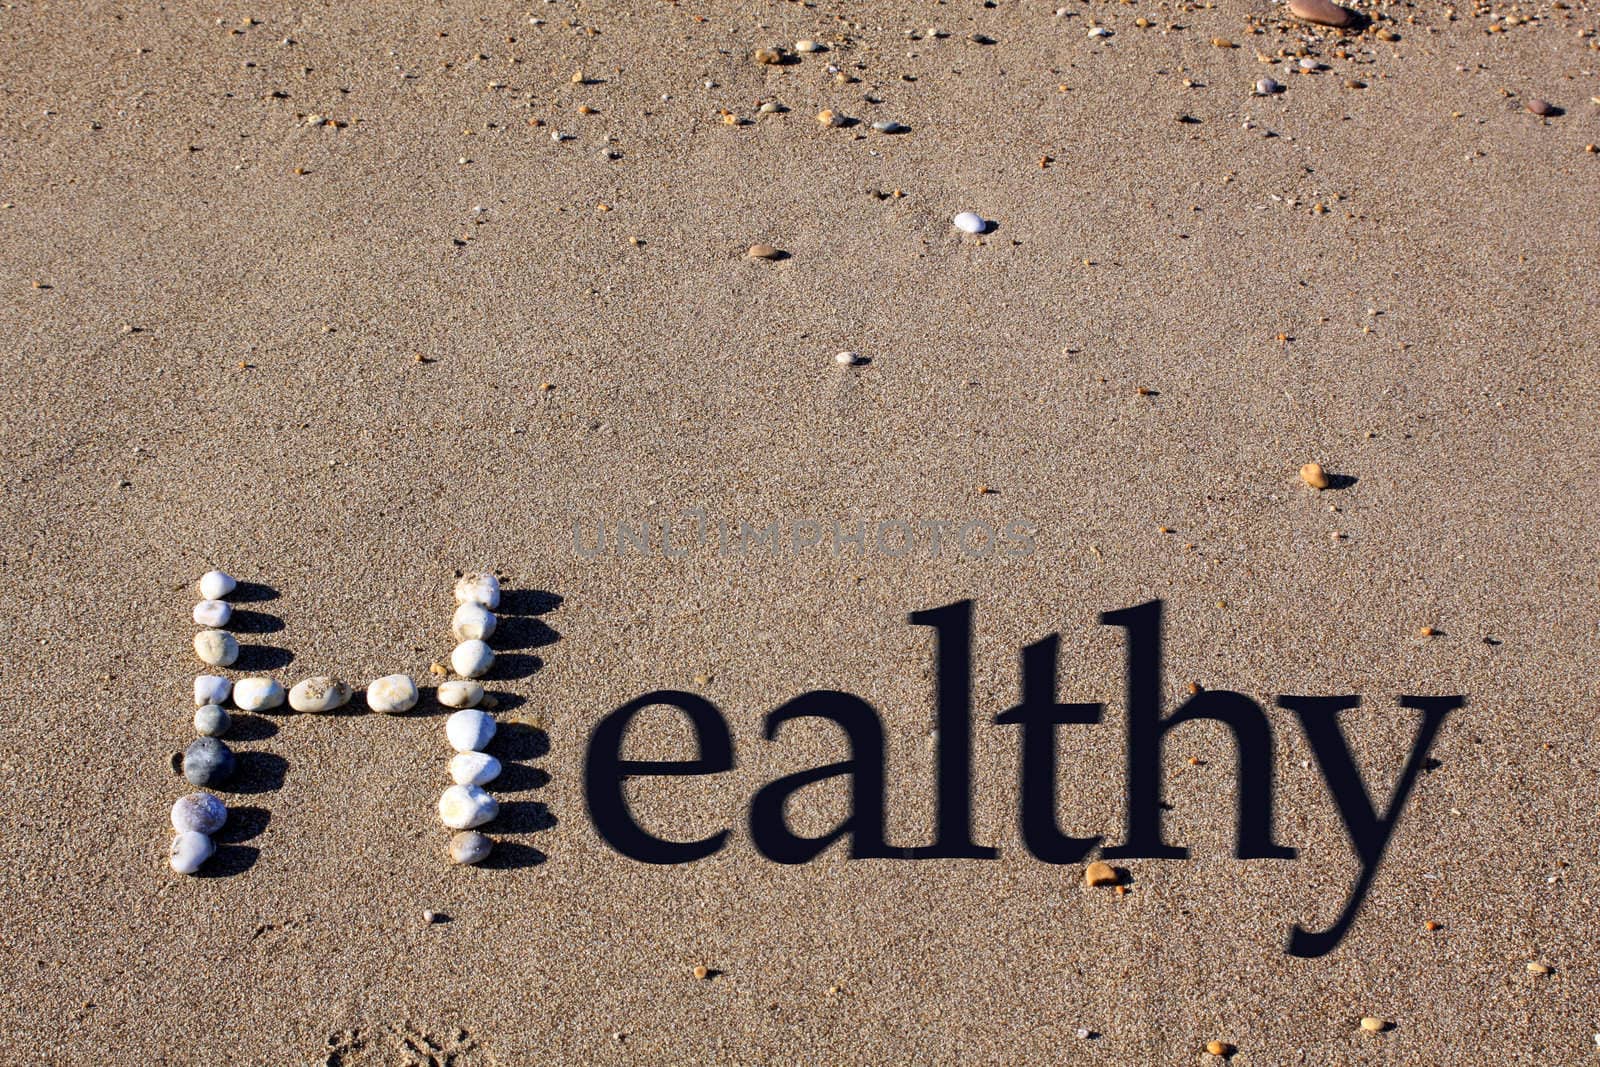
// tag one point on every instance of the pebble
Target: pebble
(771, 107)
(392, 693)
(806, 45)
(1539, 969)
(830, 118)
(320, 693)
(472, 659)
(769, 57)
(216, 648)
(212, 720)
(763, 252)
(1373, 1025)
(257, 694)
(207, 761)
(199, 813)
(214, 585)
(1099, 873)
(469, 846)
(1323, 13)
(461, 807)
(1099, 31)
(213, 613)
(469, 729)
(460, 694)
(472, 622)
(1541, 107)
(847, 359)
(1267, 87)
(478, 589)
(1219, 1048)
(889, 126)
(189, 850)
(211, 689)
(473, 768)
(1314, 476)
(970, 222)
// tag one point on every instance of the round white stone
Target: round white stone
(472, 659)
(392, 693)
(479, 588)
(213, 613)
(473, 768)
(319, 694)
(216, 648)
(198, 813)
(211, 689)
(472, 622)
(469, 729)
(461, 807)
(460, 694)
(214, 585)
(257, 694)
(969, 222)
(847, 359)
(189, 850)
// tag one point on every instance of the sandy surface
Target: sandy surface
(212, 359)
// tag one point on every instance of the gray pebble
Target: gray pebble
(199, 813)
(470, 846)
(889, 126)
(207, 761)
(212, 720)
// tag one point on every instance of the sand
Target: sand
(332, 384)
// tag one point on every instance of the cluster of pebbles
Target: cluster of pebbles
(466, 804)
(207, 762)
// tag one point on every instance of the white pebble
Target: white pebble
(478, 589)
(470, 847)
(199, 813)
(472, 622)
(214, 585)
(461, 807)
(216, 648)
(189, 850)
(469, 729)
(1267, 87)
(1099, 31)
(847, 359)
(212, 720)
(211, 689)
(970, 222)
(473, 768)
(805, 44)
(257, 694)
(392, 693)
(319, 694)
(213, 613)
(460, 694)
(472, 659)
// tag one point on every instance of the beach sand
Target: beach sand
(299, 352)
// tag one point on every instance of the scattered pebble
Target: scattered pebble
(769, 57)
(771, 107)
(199, 813)
(392, 693)
(213, 613)
(847, 359)
(1323, 13)
(216, 648)
(320, 693)
(474, 768)
(472, 622)
(806, 45)
(207, 762)
(889, 126)
(1219, 1048)
(211, 689)
(461, 807)
(189, 850)
(1374, 1025)
(1540, 107)
(257, 694)
(970, 222)
(469, 729)
(214, 585)
(1099, 31)
(479, 588)
(212, 720)
(1267, 87)
(1539, 970)
(830, 118)
(1099, 873)
(469, 847)
(763, 252)
(1314, 476)
(702, 972)
(472, 659)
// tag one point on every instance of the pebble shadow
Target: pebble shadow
(246, 727)
(258, 772)
(243, 823)
(262, 658)
(512, 855)
(252, 593)
(228, 861)
(254, 622)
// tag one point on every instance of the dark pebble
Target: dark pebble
(207, 761)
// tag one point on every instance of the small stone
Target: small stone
(1099, 873)
(216, 648)
(473, 622)
(830, 118)
(763, 252)
(214, 585)
(199, 813)
(392, 693)
(211, 689)
(889, 126)
(1219, 1048)
(461, 807)
(807, 46)
(768, 57)
(213, 613)
(847, 359)
(1374, 1025)
(1431, 926)
(1267, 87)
(207, 762)
(212, 720)
(319, 694)
(1314, 476)
(1099, 31)
(771, 107)
(1539, 969)
(481, 588)
(1426, 631)
(469, 729)
(472, 659)
(257, 694)
(460, 694)
(430, 916)
(702, 972)
(469, 846)
(1540, 107)
(1222, 42)
(473, 768)
(970, 222)
(1323, 13)
(189, 850)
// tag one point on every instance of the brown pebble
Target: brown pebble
(1539, 969)
(1314, 476)
(1427, 631)
(1323, 13)
(1374, 1025)
(1219, 1048)
(702, 972)
(763, 252)
(437, 668)
(1099, 873)
(1540, 107)
(768, 57)
(1430, 926)
(829, 117)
